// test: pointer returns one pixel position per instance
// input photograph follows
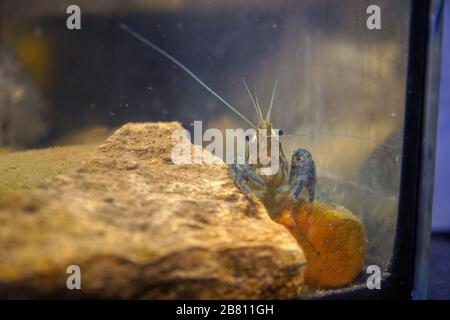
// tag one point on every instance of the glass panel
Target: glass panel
(341, 87)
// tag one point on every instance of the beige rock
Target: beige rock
(140, 226)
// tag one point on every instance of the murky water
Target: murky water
(340, 94)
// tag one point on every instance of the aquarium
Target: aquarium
(193, 149)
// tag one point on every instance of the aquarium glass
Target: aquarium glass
(341, 84)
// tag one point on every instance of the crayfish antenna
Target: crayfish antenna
(271, 100)
(344, 136)
(171, 58)
(258, 111)
(257, 103)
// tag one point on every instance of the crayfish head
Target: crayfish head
(265, 130)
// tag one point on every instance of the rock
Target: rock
(139, 226)
(332, 238)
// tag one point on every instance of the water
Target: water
(340, 88)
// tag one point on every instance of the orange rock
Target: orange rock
(332, 238)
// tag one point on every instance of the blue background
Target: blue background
(441, 203)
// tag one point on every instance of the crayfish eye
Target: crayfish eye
(280, 132)
(247, 137)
